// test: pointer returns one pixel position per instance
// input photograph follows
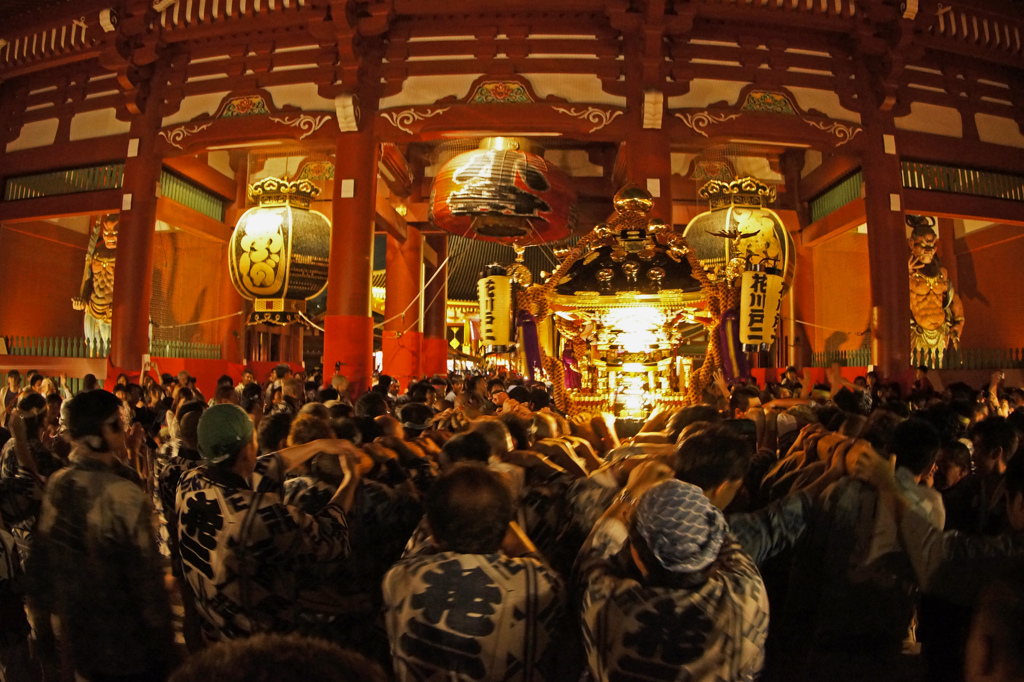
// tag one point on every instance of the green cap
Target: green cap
(223, 431)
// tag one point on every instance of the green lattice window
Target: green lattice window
(836, 196)
(111, 176)
(67, 181)
(187, 193)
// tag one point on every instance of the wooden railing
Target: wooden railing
(860, 357)
(73, 347)
(184, 349)
(57, 346)
(956, 180)
(965, 358)
(971, 358)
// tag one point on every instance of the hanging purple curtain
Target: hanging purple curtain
(734, 360)
(526, 330)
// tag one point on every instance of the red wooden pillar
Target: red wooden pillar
(291, 344)
(133, 273)
(799, 305)
(402, 335)
(648, 146)
(232, 329)
(649, 164)
(435, 309)
(887, 247)
(348, 324)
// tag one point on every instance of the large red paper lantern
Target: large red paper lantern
(501, 192)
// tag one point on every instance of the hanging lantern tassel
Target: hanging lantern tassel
(529, 342)
(734, 360)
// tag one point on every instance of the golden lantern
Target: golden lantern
(278, 253)
(739, 224)
(740, 209)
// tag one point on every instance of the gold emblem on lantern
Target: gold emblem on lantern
(740, 223)
(261, 242)
(278, 253)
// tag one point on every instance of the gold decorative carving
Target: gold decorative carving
(843, 132)
(599, 117)
(403, 119)
(308, 124)
(700, 120)
(176, 135)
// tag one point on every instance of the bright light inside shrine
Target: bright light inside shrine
(635, 329)
(634, 402)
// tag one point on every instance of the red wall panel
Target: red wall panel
(41, 267)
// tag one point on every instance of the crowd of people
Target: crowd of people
(465, 530)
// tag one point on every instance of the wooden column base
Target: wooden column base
(348, 340)
(402, 356)
(434, 357)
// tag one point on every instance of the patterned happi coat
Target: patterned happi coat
(22, 517)
(474, 617)
(711, 630)
(242, 548)
(95, 564)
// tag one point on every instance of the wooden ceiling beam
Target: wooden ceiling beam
(402, 51)
(837, 222)
(957, 152)
(388, 220)
(250, 26)
(963, 207)
(192, 221)
(68, 155)
(441, 25)
(602, 68)
(832, 170)
(473, 7)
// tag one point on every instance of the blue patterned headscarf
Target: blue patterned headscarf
(680, 526)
